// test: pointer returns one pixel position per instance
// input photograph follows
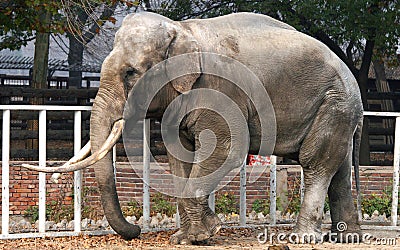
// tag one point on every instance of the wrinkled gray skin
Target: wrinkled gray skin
(316, 99)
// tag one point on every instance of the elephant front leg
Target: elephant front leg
(204, 178)
(181, 171)
(219, 149)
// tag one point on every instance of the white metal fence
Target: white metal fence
(5, 234)
(396, 160)
(42, 162)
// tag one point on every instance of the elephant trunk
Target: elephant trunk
(108, 109)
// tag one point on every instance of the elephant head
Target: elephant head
(143, 40)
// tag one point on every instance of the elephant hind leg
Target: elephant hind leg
(341, 201)
(323, 152)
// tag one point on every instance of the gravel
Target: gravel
(230, 237)
(227, 238)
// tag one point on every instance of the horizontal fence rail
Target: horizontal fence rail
(146, 172)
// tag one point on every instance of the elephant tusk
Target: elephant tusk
(85, 151)
(98, 155)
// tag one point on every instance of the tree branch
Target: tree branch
(323, 37)
(349, 49)
(367, 58)
(107, 13)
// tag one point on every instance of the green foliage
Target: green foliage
(382, 203)
(326, 205)
(160, 205)
(54, 212)
(32, 212)
(57, 210)
(345, 22)
(261, 205)
(20, 19)
(133, 208)
(344, 26)
(294, 199)
(226, 203)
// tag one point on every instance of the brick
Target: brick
(23, 190)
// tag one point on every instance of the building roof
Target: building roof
(24, 62)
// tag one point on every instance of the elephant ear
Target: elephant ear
(184, 44)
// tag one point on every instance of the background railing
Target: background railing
(6, 110)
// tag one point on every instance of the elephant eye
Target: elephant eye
(131, 71)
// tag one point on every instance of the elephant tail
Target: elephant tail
(356, 158)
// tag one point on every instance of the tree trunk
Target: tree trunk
(40, 69)
(364, 147)
(362, 79)
(75, 57)
(383, 86)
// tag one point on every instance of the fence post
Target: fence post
(77, 174)
(177, 217)
(301, 185)
(242, 204)
(114, 160)
(272, 197)
(5, 174)
(42, 176)
(211, 201)
(396, 163)
(146, 173)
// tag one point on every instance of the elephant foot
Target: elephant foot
(212, 223)
(198, 233)
(180, 237)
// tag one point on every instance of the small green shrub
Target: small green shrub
(160, 205)
(133, 208)
(54, 212)
(382, 203)
(294, 198)
(226, 204)
(32, 212)
(326, 205)
(261, 205)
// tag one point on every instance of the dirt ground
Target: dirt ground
(227, 238)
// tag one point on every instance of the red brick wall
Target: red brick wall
(24, 185)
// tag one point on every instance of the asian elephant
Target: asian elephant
(315, 98)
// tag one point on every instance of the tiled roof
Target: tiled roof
(21, 62)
